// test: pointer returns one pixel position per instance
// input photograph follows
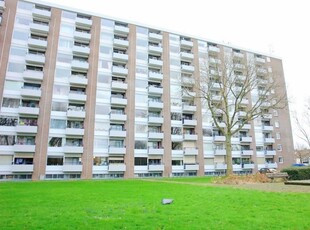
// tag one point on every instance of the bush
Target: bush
(298, 173)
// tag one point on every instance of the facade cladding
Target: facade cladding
(83, 96)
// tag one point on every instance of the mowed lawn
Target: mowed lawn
(136, 204)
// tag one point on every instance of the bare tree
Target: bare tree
(236, 91)
(302, 122)
(302, 153)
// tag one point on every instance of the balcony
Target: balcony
(213, 49)
(117, 167)
(187, 68)
(39, 13)
(209, 168)
(238, 55)
(219, 138)
(270, 152)
(269, 140)
(188, 94)
(189, 108)
(241, 78)
(117, 150)
(156, 120)
(155, 76)
(28, 110)
(118, 117)
(83, 50)
(78, 35)
(25, 148)
(267, 116)
(177, 168)
(156, 167)
(214, 61)
(237, 167)
(118, 101)
(73, 149)
(33, 75)
(190, 137)
(76, 113)
(74, 132)
(31, 92)
(267, 128)
(177, 137)
(39, 28)
(155, 36)
(121, 30)
(155, 90)
(35, 58)
(37, 43)
(241, 114)
(246, 139)
(155, 62)
(156, 104)
(220, 166)
(239, 66)
(248, 166)
(189, 122)
(72, 168)
(155, 49)
(261, 70)
(248, 152)
(84, 22)
(26, 129)
(119, 70)
(187, 56)
(244, 102)
(74, 96)
(260, 60)
(79, 65)
(191, 167)
(22, 168)
(119, 85)
(78, 80)
(100, 168)
(188, 81)
(190, 151)
(186, 43)
(121, 43)
(246, 127)
(220, 152)
(155, 135)
(118, 133)
(152, 151)
(120, 57)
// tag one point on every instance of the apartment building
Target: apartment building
(85, 96)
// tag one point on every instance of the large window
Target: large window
(10, 102)
(140, 144)
(58, 124)
(140, 161)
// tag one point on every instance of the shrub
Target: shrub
(298, 173)
(242, 179)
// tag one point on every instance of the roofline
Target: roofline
(54, 5)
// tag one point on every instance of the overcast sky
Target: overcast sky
(280, 28)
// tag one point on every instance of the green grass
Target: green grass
(136, 204)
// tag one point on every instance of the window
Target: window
(281, 160)
(275, 113)
(7, 140)
(8, 121)
(58, 124)
(140, 145)
(276, 124)
(278, 136)
(140, 161)
(279, 147)
(10, 102)
(55, 142)
(54, 161)
(16, 67)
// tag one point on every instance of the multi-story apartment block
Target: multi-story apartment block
(85, 96)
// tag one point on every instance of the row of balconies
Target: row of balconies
(121, 167)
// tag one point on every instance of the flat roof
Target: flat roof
(54, 5)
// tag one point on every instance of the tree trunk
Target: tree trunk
(229, 170)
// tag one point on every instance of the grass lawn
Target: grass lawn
(136, 204)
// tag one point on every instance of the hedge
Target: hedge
(298, 173)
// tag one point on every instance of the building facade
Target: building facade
(84, 96)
